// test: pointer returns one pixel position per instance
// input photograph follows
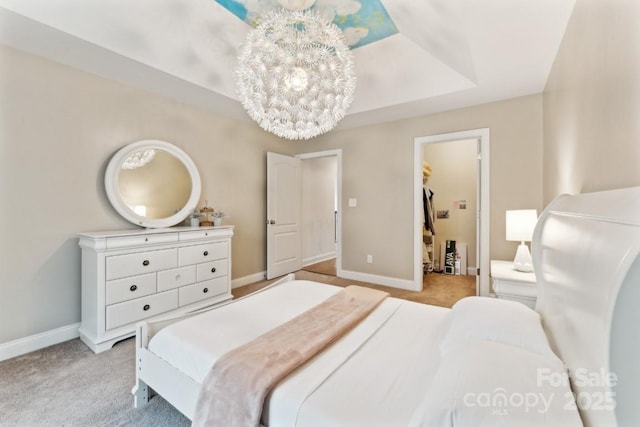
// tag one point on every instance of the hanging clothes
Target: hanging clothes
(427, 203)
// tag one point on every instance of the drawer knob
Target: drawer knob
(213, 270)
(146, 307)
(205, 290)
(205, 253)
(133, 288)
(145, 262)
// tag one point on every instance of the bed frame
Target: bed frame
(586, 253)
(586, 256)
(154, 375)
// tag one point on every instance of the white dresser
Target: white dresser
(132, 275)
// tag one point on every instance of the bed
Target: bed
(486, 361)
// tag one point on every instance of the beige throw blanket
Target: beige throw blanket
(233, 392)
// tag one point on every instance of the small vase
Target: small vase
(217, 222)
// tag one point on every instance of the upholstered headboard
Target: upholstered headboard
(586, 256)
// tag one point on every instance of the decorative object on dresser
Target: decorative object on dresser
(217, 218)
(206, 215)
(132, 275)
(194, 218)
(519, 228)
(514, 285)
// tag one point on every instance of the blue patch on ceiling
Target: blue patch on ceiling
(234, 7)
(362, 22)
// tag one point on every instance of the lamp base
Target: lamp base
(522, 261)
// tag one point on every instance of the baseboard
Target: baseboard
(379, 280)
(246, 280)
(318, 258)
(26, 345)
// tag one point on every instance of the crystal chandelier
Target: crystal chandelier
(295, 74)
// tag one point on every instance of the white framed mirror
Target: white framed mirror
(152, 183)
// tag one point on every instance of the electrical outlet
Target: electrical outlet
(369, 259)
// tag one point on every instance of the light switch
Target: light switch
(353, 203)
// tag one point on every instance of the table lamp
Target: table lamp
(520, 225)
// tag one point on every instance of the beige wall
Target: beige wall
(592, 101)
(58, 129)
(377, 170)
(454, 178)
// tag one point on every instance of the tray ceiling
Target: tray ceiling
(412, 57)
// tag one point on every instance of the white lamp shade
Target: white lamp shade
(520, 224)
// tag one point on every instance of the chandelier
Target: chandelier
(139, 159)
(295, 74)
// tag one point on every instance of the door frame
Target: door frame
(483, 137)
(338, 154)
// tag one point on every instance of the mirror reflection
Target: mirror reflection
(154, 184)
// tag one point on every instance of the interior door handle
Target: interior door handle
(271, 222)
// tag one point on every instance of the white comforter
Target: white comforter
(375, 376)
(484, 363)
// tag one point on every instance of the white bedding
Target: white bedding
(379, 384)
(364, 378)
(194, 344)
(406, 364)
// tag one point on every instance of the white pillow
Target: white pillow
(492, 319)
(486, 383)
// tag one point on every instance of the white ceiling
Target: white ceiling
(447, 53)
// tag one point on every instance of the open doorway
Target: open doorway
(459, 164)
(321, 212)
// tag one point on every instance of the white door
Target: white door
(284, 250)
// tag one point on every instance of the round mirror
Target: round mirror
(152, 183)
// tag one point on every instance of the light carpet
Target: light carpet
(68, 385)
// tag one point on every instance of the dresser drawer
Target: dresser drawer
(186, 236)
(130, 288)
(213, 269)
(203, 253)
(203, 290)
(174, 278)
(141, 240)
(139, 263)
(117, 283)
(140, 308)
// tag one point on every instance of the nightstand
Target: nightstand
(514, 285)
